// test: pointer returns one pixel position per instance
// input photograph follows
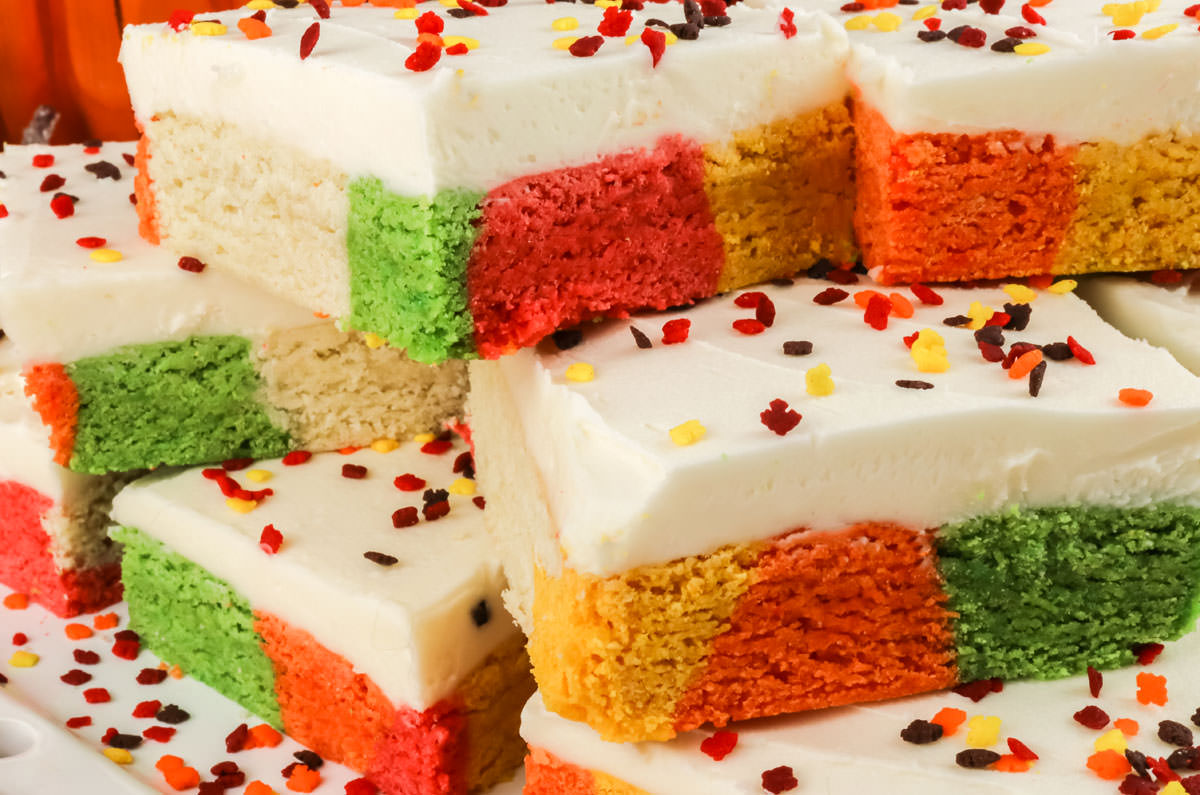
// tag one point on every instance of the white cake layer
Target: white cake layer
(1087, 87)
(516, 105)
(858, 748)
(407, 626)
(975, 443)
(58, 304)
(1164, 315)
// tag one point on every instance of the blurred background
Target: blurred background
(63, 53)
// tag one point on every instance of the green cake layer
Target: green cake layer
(172, 403)
(1046, 593)
(408, 264)
(192, 619)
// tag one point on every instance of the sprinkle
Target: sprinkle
(979, 315)
(887, 22)
(463, 486)
(85, 656)
(63, 206)
(787, 24)
(106, 255)
(687, 433)
(78, 723)
(239, 505)
(1025, 363)
(435, 510)
(1174, 733)
(749, 326)
(719, 745)
(564, 42)
(96, 695)
(1111, 740)
(585, 46)
(147, 709)
(818, 381)
(797, 348)
(409, 482)
(1135, 397)
(861, 22)
(296, 458)
(921, 732)
(949, 718)
(982, 731)
(127, 645)
(406, 13)
(257, 787)
(1031, 48)
(581, 372)
(159, 734)
(1152, 689)
(321, 7)
(172, 715)
(259, 475)
(23, 659)
(481, 614)
(459, 45)
(1159, 32)
(1095, 681)
(829, 296)
(1063, 286)
(640, 339)
(905, 383)
(565, 23)
(676, 331)
(43, 161)
(779, 418)
(16, 601)
(52, 182)
(901, 306)
(926, 295)
(1092, 717)
(309, 40)
(779, 779)
(105, 621)
(615, 22)
(979, 689)
(976, 758)
(879, 307)
(263, 736)
(1021, 750)
(119, 755)
(151, 676)
(303, 779)
(405, 517)
(208, 28)
(1148, 652)
(270, 540)
(20, 638)
(1019, 293)
(929, 352)
(1082, 354)
(191, 265)
(381, 558)
(354, 471)
(656, 43)
(373, 340)
(253, 29)
(1128, 726)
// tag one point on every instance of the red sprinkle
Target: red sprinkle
(409, 482)
(879, 306)
(79, 723)
(126, 649)
(458, 49)
(436, 447)
(85, 657)
(998, 319)
(151, 676)
(1031, 15)
(96, 695)
(787, 24)
(270, 540)
(829, 296)
(1166, 277)
(62, 205)
(3, 211)
(1121, 34)
(1081, 353)
(321, 7)
(191, 265)
(405, 517)
(76, 677)
(1147, 652)
(309, 40)
(20, 639)
(674, 331)
(616, 22)
(585, 46)
(1021, 750)
(52, 182)
(147, 709)
(748, 326)
(360, 786)
(296, 458)
(656, 42)
(779, 779)
(180, 19)
(159, 734)
(749, 300)
(354, 471)
(474, 8)
(91, 242)
(926, 295)
(479, 502)
(1020, 32)
(430, 22)
(1095, 681)
(1192, 11)
(436, 510)
(719, 745)
(979, 689)
(1092, 717)
(236, 464)
(43, 161)
(779, 418)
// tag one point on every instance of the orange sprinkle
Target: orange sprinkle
(901, 306)
(1109, 765)
(1041, 281)
(349, 450)
(181, 778)
(1152, 689)
(303, 779)
(386, 3)
(263, 736)
(16, 601)
(256, 787)
(1128, 726)
(863, 297)
(1135, 397)
(168, 762)
(1011, 763)
(78, 631)
(432, 38)
(352, 3)
(325, 315)
(175, 672)
(253, 29)
(949, 719)
(1025, 363)
(105, 621)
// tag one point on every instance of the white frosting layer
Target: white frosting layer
(1087, 87)
(407, 626)
(58, 304)
(858, 749)
(1164, 315)
(25, 454)
(514, 106)
(622, 494)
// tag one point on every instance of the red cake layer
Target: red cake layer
(946, 207)
(27, 562)
(57, 402)
(832, 618)
(631, 231)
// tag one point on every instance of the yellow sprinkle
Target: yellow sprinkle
(1064, 286)
(982, 731)
(607, 3)
(565, 23)
(450, 41)
(632, 38)
(1173, 788)
(929, 352)
(373, 340)
(241, 506)
(261, 5)
(1111, 740)
(449, 3)
(106, 255)
(119, 755)
(860, 22)
(384, 445)
(1020, 294)
(23, 659)
(688, 432)
(581, 372)
(259, 475)
(979, 315)
(1031, 48)
(887, 21)
(671, 37)
(819, 381)
(463, 486)
(925, 13)
(422, 438)
(208, 29)
(407, 13)
(565, 42)
(1160, 31)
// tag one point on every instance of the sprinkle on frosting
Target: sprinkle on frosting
(688, 433)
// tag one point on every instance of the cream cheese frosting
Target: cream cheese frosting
(858, 748)
(57, 303)
(515, 105)
(1087, 86)
(1166, 315)
(408, 626)
(620, 493)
